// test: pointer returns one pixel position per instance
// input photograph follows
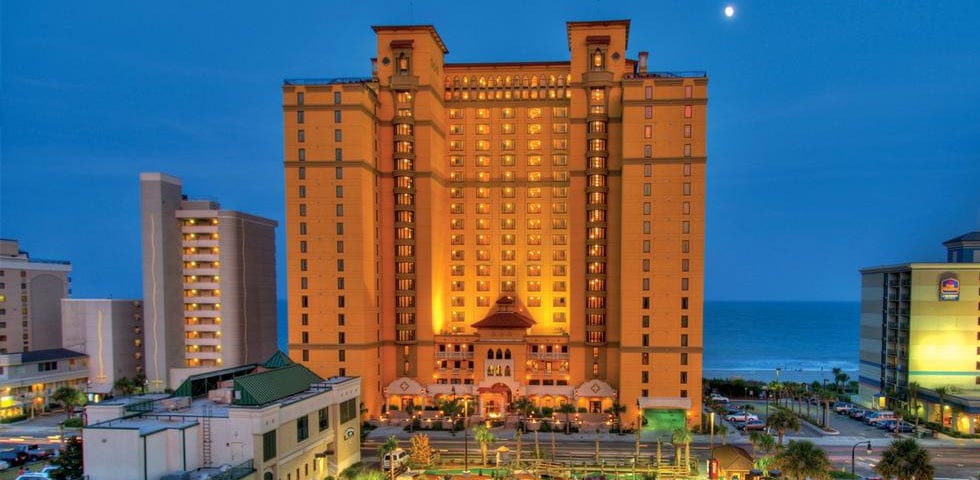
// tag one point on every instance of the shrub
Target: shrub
(74, 422)
(13, 419)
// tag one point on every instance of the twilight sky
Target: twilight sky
(841, 134)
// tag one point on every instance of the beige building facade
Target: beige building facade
(110, 333)
(209, 283)
(920, 324)
(30, 294)
(501, 230)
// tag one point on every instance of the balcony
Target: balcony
(547, 356)
(454, 355)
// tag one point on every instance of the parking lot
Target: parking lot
(842, 424)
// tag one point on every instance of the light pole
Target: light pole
(868, 443)
(639, 428)
(466, 442)
(711, 417)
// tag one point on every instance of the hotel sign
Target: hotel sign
(949, 289)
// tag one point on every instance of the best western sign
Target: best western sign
(949, 289)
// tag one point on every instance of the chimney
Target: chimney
(642, 64)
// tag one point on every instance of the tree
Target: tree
(941, 392)
(69, 398)
(802, 459)
(124, 386)
(523, 405)
(484, 437)
(452, 408)
(783, 420)
(762, 443)
(390, 445)
(616, 410)
(681, 436)
(69, 462)
(421, 453)
(905, 459)
(913, 394)
(722, 431)
(567, 409)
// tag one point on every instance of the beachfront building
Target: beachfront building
(28, 379)
(920, 324)
(110, 332)
(30, 292)
(271, 421)
(209, 284)
(501, 230)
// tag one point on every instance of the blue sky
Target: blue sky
(841, 134)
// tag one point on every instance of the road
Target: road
(961, 462)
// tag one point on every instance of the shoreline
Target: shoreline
(785, 375)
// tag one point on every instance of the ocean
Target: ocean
(750, 340)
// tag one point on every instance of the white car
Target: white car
(741, 417)
(715, 397)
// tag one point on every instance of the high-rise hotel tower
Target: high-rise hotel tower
(501, 230)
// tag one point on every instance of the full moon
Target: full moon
(729, 11)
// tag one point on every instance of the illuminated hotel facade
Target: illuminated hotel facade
(920, 322)
(500, 230)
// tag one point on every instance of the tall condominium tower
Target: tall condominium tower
(209, 283)
(30, 299)
(501, 230)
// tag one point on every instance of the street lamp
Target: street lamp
(868, 443)
(466, 438)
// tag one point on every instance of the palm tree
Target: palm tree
(678, 437)
(913, 394)
(762, 443)
(722, 431)
(484, 437)
(941, 392)
(567, 409)
(390, 445)
(451, 409)
(69, 398)
(517, 440)
(802, 459)
(523, 405)
(616, 409)
(783, 420)
(905, 459)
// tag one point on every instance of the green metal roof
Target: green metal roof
(277, 360)
(199, 384)
(262, 388)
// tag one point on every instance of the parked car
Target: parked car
(842, 407)
(884, 424)
(741, 417)
(857, 413)
(903, 427)
(876, 417)
(4, 465)
(755, 425)
(717, 397)
(31, 476)
(13, 457)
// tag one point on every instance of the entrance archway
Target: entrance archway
(494, 400)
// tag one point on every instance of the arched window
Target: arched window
(507, 371)
(598, 60)
(402, 63)
(507, 354)
(490, 354)
(489, 370)
(500, 354)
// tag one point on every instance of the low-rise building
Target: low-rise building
(28, 379)
(269, 421)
